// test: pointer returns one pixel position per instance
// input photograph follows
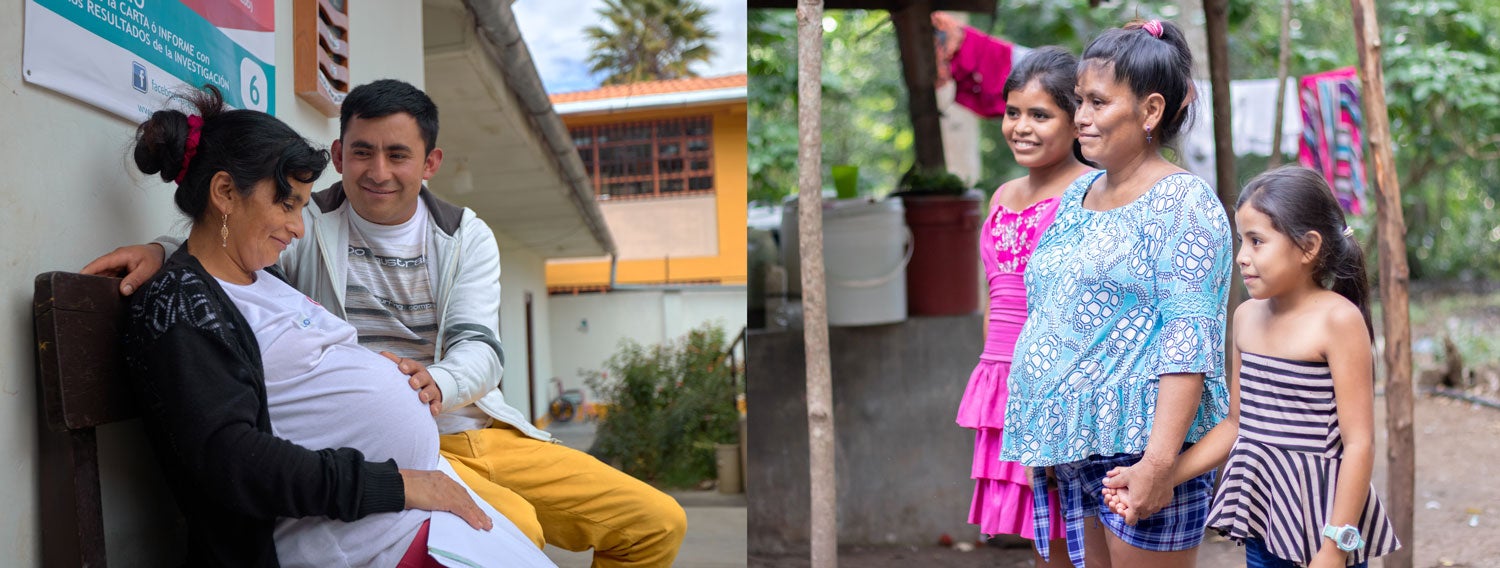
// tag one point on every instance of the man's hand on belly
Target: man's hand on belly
(420, 381)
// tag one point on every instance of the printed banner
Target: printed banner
(129, 56)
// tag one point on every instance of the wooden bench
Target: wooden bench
(81, 376)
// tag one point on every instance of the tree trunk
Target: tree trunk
(1283, 61)
(824, 497)
(1216, 16)
(1196, 35)
(1401, 447)
(919, 67)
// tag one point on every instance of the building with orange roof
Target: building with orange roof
(668, 164)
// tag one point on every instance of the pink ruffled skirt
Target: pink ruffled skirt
(1002, 501)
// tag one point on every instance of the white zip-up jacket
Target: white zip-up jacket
(468, 360)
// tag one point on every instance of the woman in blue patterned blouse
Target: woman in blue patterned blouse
(1121, 359)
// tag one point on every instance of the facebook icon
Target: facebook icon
(138, 76)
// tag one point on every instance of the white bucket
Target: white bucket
(866, 246)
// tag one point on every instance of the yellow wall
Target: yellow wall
(731, 180)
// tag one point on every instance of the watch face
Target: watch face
(1348, 538)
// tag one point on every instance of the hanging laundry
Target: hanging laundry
(979, 67)
(947, 36)
(1332, 121)
(1252, 104)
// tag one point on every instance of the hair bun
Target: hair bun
(160, 143)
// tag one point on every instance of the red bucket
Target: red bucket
(943, 277)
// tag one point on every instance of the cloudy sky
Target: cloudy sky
(554, 33)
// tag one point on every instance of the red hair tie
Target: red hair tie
(1153, 27)
(195, 131)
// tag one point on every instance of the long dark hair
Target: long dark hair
(1299, 201)
(1150, 65)
(249, 145)
(1056, 72)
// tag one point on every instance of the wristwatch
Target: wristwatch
(1346, 537)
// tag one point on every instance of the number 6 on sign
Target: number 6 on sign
(253, 86)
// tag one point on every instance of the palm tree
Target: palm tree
(645, 40)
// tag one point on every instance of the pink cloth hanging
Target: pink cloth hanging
(1332, 141)
(980, 67)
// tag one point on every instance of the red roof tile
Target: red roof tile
(653, 88)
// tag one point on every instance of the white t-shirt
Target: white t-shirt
(326, 391)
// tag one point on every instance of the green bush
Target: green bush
(930, 182)
(669, 405)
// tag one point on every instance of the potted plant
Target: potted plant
(944, 216)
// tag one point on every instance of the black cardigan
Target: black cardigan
(196, 370)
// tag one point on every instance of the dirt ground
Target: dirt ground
(1457, 519)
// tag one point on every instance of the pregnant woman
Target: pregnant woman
(239, 375)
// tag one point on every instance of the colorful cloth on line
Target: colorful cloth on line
(1331, 144)
(1280, 479)
(980, 67)
(1116, 299)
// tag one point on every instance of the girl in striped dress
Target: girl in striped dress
(1300, 433)
(1299, 436)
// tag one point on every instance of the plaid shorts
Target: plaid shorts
(1178, 526)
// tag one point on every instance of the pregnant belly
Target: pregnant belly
(351, 397)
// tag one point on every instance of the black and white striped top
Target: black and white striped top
(1280, 479)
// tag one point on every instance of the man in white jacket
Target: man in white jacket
(420, 279)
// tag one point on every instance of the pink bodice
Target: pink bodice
(1007, 239)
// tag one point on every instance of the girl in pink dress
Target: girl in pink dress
(1038, 127)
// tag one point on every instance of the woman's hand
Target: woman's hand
(434, 491)
(1150, 489)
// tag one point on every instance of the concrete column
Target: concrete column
(960, 128)
(671, 315)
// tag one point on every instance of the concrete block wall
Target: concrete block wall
(902, 464)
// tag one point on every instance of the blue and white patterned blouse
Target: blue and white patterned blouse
(1116, 299)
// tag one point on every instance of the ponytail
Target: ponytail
(1345, 266)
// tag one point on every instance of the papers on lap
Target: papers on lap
(452, 542)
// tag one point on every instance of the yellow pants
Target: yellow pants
(568, 498)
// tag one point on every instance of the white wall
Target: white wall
(648, 317)
(69, 196)
(522, 271)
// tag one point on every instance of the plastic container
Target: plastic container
(866, 247)
(943, 278)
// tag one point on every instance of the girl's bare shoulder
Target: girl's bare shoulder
(1339, 315)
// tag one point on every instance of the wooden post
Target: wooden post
(919, 66)
(1401, 445)
(1283, 61)
(1197, 38)
(823, 489)
(1216, 16)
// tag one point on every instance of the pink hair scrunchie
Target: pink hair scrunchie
(195, 131)
(1153, 27)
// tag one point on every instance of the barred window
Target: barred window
(648, 159)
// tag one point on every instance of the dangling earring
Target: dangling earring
(1148, 133)
(224, 232)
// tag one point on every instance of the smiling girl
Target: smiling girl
(1300, 434)
(1038, 127)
